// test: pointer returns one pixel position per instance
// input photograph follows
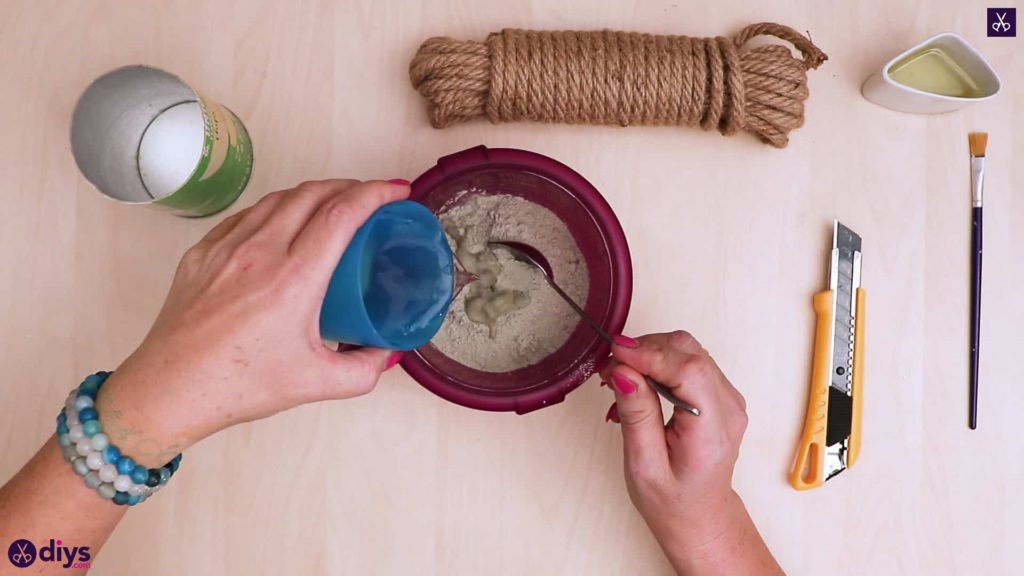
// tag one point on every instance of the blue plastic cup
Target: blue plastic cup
(394, 282)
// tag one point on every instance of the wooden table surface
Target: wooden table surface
(729, 240)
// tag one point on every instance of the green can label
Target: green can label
(223, 169)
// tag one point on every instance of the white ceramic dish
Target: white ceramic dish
(881, 89)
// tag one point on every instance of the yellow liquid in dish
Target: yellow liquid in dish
(932, 70)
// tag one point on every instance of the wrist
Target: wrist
(697, 541)
(87, 447)
(138, 418)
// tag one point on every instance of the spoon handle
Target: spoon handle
(658, 386)
(668, 395)
(586, 317)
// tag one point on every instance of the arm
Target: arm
(679, 474)
(237, 340)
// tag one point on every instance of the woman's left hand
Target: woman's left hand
(238, 336)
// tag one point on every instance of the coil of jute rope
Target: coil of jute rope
(621, 78)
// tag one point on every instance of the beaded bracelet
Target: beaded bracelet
(114, 476)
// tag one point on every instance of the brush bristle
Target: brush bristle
(978, 142)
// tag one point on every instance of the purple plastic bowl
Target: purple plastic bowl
(601, 241)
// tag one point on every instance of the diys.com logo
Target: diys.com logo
(23, 553)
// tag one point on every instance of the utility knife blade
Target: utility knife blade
(830, 442)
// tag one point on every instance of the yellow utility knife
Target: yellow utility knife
(830, 442)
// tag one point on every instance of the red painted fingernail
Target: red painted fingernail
(392, 360)
(626, 341)
(401, 181)
(623, 385)
(613, 413)
(602, 364)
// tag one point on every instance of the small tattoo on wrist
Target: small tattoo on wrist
(135, 442)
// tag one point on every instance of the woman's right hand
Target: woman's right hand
(238, 337)
(679, 475)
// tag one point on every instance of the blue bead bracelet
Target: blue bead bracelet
(115, 476)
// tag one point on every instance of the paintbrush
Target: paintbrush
(978, 141)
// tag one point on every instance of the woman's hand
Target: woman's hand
(238, 337)
(679, 474)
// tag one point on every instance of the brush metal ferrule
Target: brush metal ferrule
(977, 179)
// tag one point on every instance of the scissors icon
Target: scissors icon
(22, 557)
(1002, 25)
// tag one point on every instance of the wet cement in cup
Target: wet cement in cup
(509, 318)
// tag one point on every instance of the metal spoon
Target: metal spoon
(532, 257)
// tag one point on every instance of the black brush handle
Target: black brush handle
(975, 313)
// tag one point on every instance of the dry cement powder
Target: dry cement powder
(509, 318)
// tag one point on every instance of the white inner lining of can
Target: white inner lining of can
(170, 148)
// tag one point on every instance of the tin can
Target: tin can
(141, 135)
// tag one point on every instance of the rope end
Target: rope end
(812, 55)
